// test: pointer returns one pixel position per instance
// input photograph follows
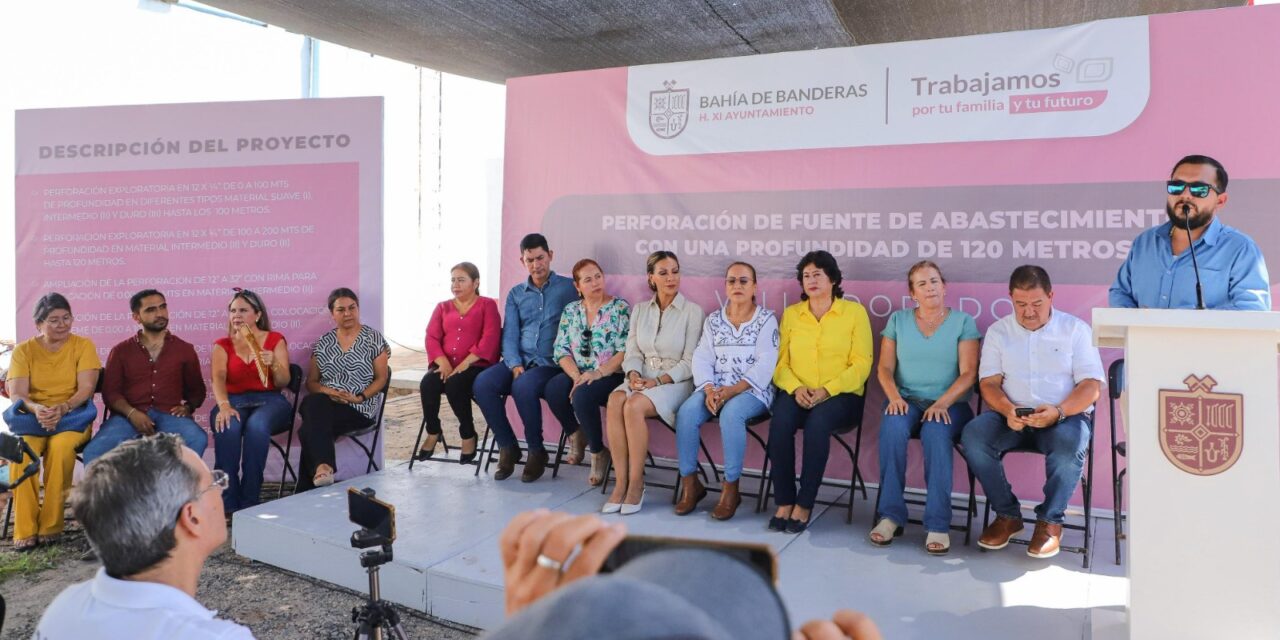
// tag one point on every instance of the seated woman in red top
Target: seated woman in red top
(249, 366)
(463, 337)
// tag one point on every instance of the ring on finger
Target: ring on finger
(547, 562)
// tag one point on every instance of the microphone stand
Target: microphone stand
(1186, 224)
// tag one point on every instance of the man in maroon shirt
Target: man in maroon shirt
(152, 383)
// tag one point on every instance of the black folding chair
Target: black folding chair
(971, 505)
(295, 387)
(375, 429)
(1086, 486)
(855, 478)
(1119, 449)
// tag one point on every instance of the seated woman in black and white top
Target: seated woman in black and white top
(348, 374)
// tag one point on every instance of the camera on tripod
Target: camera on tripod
(377, 619)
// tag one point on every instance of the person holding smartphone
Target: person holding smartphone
(555, 587)
(928, 364)
(1041, 358)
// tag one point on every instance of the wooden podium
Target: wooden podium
(1204, 470)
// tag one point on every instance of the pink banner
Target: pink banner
(888, 154)
(193, 202)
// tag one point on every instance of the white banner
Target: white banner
(1084, 80)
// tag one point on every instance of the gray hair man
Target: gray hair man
(153, 512)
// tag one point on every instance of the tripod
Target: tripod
(377, 619)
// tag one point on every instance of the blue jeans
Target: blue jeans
(937, 439)
(491, 390)
(22, 423)
(583, 410)
(261, 414)
(838, 414)
(1063, 445)
(118, 429)
(733, 431)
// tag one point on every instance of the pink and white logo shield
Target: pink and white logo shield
(668, 110)
(1201, 432)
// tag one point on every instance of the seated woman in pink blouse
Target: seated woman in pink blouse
(463, 337)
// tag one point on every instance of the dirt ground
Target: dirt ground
(298, 607)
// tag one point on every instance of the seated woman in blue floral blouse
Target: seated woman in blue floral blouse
(733, 377)
(590, 344)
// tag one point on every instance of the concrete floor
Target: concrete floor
(447, 561)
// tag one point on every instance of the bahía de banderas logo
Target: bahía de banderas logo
(1201, 432)
(668, 110)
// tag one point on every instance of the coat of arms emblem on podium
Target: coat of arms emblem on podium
(1201, 432)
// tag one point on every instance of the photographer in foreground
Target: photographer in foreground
(668, 593)
(153, 512)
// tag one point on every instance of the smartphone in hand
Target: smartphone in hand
(758, 556)
(1023, 412)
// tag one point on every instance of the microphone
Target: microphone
(1186, 224)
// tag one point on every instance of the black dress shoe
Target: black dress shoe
(466, 458)
(508, 457)
(423, 454)
(777, 524)
(795, 526)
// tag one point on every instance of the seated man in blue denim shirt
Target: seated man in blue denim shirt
(528, 335)
(1158, 273)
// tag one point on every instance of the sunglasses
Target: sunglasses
(585, 349)
(248, 296)
(1198, 189)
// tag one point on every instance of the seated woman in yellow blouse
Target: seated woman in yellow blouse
(823, 364)
(51, 382)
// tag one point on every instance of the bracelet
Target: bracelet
(129, 415)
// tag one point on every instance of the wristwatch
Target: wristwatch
(1062, 415)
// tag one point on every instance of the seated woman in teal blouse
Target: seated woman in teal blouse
(590, 344)
(928, 366)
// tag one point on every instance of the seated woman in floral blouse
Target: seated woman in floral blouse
(590, 343)
(733, 378)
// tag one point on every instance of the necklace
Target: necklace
(930, 325)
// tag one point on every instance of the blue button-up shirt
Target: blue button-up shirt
(1232, 272)
(532, 317)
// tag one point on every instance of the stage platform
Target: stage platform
(447, 562)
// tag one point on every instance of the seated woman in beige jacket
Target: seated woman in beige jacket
(659, 377)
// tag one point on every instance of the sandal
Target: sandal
(937, 543)
(884, 532)
(50, 539)
(599, 463)
(26, 544)
(577, 448)
(323, 478)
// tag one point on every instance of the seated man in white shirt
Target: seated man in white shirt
(153, 513)
(1042, 361)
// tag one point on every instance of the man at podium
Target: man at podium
(1160, 272)
(1039, 375)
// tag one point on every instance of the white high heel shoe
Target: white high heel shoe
(628, 509)
(611, 507)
